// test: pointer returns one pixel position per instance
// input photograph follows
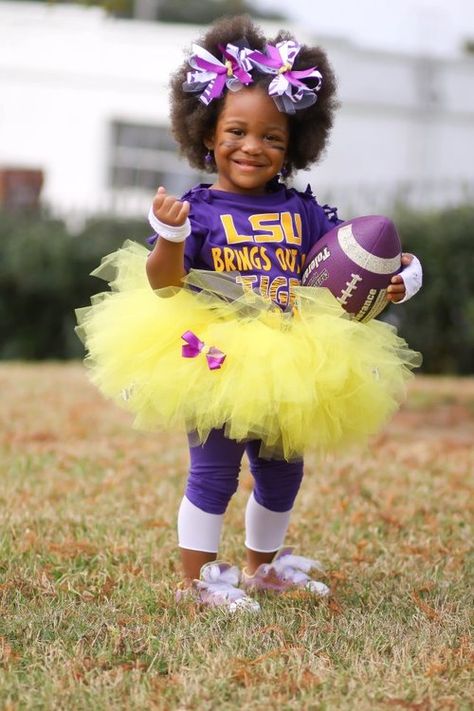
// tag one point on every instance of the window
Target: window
(144, 156)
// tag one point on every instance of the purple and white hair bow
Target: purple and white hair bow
(210, 76)
(288, 89)
(193, 346)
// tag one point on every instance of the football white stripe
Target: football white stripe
(363, 258)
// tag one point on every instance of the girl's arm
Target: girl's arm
(165, 264)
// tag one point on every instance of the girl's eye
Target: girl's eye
(236, 131)
(273, 139)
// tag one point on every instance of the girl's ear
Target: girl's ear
(209, 143)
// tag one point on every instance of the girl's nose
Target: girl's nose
(251, 144)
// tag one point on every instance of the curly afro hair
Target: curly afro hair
(192, 122)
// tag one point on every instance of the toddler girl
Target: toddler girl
(226, 343)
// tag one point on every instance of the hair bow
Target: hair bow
(194, 346)
(287, 88)
(211, 76)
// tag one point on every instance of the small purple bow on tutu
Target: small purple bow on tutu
(287, 88)
(211, 75)
(194, 346)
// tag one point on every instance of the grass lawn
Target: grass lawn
(88, 565)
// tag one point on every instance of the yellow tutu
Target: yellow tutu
(312, 378)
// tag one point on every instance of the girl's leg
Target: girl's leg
(269, 507)
(198, 534)
(213, 479)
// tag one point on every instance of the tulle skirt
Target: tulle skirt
(307, 378)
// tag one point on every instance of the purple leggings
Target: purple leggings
(214, 475)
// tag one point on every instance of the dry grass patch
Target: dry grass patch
(89, 565)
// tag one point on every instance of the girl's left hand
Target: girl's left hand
(396, 290)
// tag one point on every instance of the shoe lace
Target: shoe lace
(295, 568)
(218, 580)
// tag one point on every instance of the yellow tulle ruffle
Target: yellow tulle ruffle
(313, 378)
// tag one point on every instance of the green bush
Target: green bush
(44, 276)
(439, 321)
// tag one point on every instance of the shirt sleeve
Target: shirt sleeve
(322, 218)
(330, 218)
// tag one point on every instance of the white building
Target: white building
(83, 97)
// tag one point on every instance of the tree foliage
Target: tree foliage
(440, 320)
(44, 277)
(200, 12)
(206, 11)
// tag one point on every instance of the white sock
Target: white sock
(198, 530)
(265, 530)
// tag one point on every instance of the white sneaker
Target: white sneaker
(286, 572)
(217, 587)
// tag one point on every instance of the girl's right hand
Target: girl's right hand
(169, 209)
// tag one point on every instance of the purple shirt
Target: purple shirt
(265, 238)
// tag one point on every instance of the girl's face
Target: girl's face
(249, 142)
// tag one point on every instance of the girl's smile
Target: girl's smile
(249, 142)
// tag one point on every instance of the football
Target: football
(356, 261)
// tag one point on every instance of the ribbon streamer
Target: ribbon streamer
(211, 76)
(287, 88)
(194, 346)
